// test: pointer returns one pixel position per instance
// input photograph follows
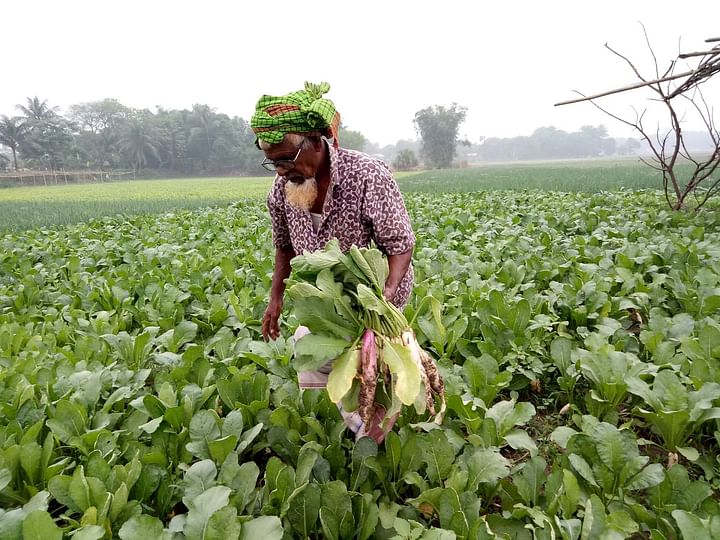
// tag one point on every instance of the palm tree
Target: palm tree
(137, 144)
(12, 134)
(47, 132)
(38, 111)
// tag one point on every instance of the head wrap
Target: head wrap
(304, 112)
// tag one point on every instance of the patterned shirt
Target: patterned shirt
(363, 204)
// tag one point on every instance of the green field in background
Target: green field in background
(567, 176)
(27, 207)
(41, 206)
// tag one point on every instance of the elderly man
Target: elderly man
(323, 192)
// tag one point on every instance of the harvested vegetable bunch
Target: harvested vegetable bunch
(378, 361)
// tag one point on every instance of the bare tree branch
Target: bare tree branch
(624, 88)
(690, 55)
(671, 149)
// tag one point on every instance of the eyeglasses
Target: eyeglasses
(275, 164)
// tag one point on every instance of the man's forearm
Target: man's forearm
(398, 266)
(281, 272)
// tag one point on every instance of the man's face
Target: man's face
(296, 163)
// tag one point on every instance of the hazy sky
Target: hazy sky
(507, 62)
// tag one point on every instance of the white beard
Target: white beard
(303, 195)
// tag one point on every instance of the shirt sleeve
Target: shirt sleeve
(278, 216)
(385, 209)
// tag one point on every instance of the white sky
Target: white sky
(507, 62)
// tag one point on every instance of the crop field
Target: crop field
(589, 176)
(578, 336)
(43, 206)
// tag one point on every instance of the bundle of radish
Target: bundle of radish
(377, 359)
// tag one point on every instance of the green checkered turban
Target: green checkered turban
(304, 112)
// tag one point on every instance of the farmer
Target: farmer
(322, 192)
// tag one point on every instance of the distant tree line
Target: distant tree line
(553, 143)
(107, 135)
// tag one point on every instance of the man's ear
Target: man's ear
(317, 143)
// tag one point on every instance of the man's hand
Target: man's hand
(270, 325)
(389, 292)
(397, 266)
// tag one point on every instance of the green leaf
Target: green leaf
(307, 458)
(262, 528)
(367, 514)
(362, 263)
(672, 392)
(141, 527)
(508, 414)
(450, 512)
(68, 421)
(484, 466)
(249, 436)
(336, 517)
(152, 425)
(379, 265)
(154, 406)
(183, 333)
(620, 521)
(611, 446)
(242, 479)
(398, 359)
(89, 532)
(79, 490)
(689, 453)
(204, 428)
(59, 487)
(314, 350)
(344, 370)
(314, 262)
(595, 520)
(11, 520)
(682, 325)
(652, 475)
(233, 424)
(303, 508)
(220, 448)
(393, 451)
(201, 510)
(583, 469)
(519, 439)
(199, 478)
(329, 524)
(371, 301)
(118, 502)
(438, 455)
(691, 527)
(388, 513)
(570, 498)
(5, 478)
(39, 525)
(530, 480)
(314, 310)
(561, 354)
(481, 374)
(223, 525)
